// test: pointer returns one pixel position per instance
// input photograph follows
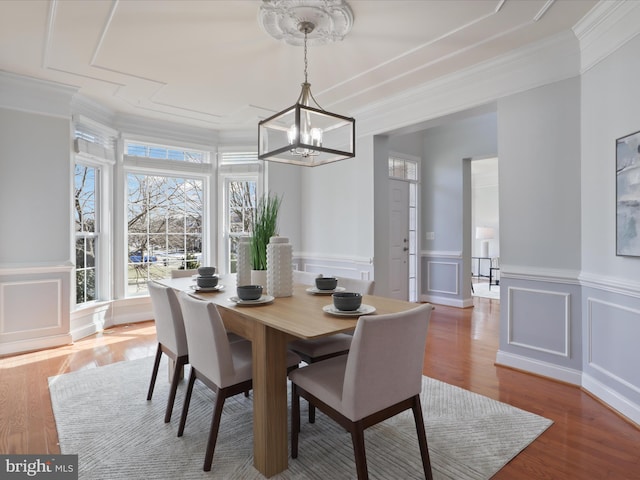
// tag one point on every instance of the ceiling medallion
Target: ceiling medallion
(332, 20)
(305, 133)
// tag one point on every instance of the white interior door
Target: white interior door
(399, 239)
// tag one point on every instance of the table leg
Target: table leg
(270, 449)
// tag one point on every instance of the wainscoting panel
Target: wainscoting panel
(541, 323)
(442, 281)
(334, 266)
(613, 335)
(539, 320)
(442, 277)
(34, 308)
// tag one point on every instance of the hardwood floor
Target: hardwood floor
(586, 441)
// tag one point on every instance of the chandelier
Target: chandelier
(305, 133)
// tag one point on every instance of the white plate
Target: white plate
(363, 310)
(317, 291)
(217, 288)
(261, 301)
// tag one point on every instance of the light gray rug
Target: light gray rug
(103, 416)
(482, 290)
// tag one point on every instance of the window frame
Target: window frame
(233, 165)
(102, 233)
(137, 165)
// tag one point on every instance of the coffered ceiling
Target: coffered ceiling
(210, 63)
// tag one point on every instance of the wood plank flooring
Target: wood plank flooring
(587, 441)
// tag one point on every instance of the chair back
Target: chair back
(305, 278)
(168, 318)
(384, 365)
(364, 287)
(177, 273)
(209, 348)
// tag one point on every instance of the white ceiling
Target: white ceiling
(210, 63)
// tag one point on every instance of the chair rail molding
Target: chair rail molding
(630, 288)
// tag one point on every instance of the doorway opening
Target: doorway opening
(485, 228)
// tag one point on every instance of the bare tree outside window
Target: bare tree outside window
(85, 216)
(241, 205)
(164, 222)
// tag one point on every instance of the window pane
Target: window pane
(80, 253)
(161, 152)
(165, 227)
(86, 227)
(411, 170)
(85, 198)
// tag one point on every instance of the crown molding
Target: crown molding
(28, 94)
(95, 111)
(608, 26)
(551, 60)
(163, 131)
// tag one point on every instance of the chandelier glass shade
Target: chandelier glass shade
(305, 133)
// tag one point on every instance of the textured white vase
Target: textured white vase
(279, 267)
(243, 267)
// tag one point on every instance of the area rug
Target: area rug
(103, 416)
(482, 290)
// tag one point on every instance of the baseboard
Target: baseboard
(450, 302)
(33, 344)
(612, 398)
(545, 369)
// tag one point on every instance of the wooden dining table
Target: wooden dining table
(270, 327)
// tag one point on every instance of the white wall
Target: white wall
(35, 180)
(611, 284)
(539, 142)
(337, 216)
(35, 223)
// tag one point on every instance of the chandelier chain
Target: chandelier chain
(305, 56)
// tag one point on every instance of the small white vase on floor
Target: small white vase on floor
(279, 267)
(259, 277)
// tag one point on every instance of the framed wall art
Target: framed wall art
(628, 195)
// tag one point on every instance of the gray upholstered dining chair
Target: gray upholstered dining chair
(318, 349)
(225, 367)
(182, 273)
(379, 378)
(365, 287)
(172, 340)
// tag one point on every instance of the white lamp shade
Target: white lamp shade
(484, 233)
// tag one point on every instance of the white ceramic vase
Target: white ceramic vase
(279, 267)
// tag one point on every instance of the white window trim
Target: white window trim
(104, 235)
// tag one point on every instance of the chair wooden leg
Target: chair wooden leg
(422, 437)
(312, 414)
(295, 420)
(180, 363)
(221, 396)
(154, 374)
(357, 437)
(187, 400)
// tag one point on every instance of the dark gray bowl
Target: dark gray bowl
(207, 282)
(207, 271)
(249, 292)
(347, 301)
(326, 283)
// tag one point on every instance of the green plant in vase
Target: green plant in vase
(264, 226)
